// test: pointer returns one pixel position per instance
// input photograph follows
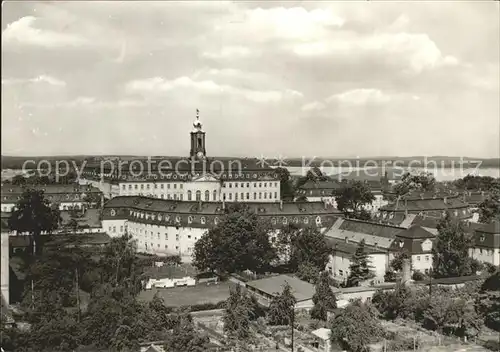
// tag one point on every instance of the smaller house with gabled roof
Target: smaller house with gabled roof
(486, 244)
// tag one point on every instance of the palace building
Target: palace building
(168, 210)
(67, 197)
(195, 178)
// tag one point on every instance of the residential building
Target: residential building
(486, 244)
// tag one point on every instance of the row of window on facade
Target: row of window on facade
(143, 186)
(285, 220)
(247, 185)
(151, 234)
(189, 250)
(246, 196)
(159, 217)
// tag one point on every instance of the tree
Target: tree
(185, 338)
(19, 180)
(488, 301)
(477, 183)
(281, 308)
(34, 215)
(404, 302)
(451, 249)
(240, 309)
(286, 186)
(397, 263)
(308, 272)
(313, 174)
(324, 299)
(351, 199)
(412, 181)
(359, 269)
(489, 209)
(303, 247)
(119, 264)
(239, 242)
(92, 199)
(355, 327)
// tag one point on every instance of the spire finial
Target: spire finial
(197, 114)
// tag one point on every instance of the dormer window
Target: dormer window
(216, 220)
(285, 220)
(203, 220)
(273, 221)
(482, 238)
(190, 219)
(306, 220)
(318, 220)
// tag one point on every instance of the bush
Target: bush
(400, 345)
(418, 276)
(206, 306)
(390, 276)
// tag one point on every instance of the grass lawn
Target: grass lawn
(185, 296)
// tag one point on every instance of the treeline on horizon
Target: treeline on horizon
(16, 162)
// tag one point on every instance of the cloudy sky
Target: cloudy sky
(306, 78)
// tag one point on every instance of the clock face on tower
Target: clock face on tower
(199, 154)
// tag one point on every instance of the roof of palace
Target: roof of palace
(54, 193)
(426, 201)
(212, 208)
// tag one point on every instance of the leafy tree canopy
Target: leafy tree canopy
(239, 242)
(33, 214)
(352, 197)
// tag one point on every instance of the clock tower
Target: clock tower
(198, 150)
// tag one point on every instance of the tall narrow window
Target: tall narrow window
(215, 195)
(198, 196)
(189, 195)
(207, 196)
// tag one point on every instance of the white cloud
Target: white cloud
(158, 85)
(293, 23)
(313, 106)
(361, 97)
(93, 103)
(228, 52)
(417, 51)
(23, 31)
(40, 79)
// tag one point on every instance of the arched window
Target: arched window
(215, 195)
(198, 196)
(207, 196)
(189, 195)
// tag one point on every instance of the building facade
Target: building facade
(67, 197)
(486, 244)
